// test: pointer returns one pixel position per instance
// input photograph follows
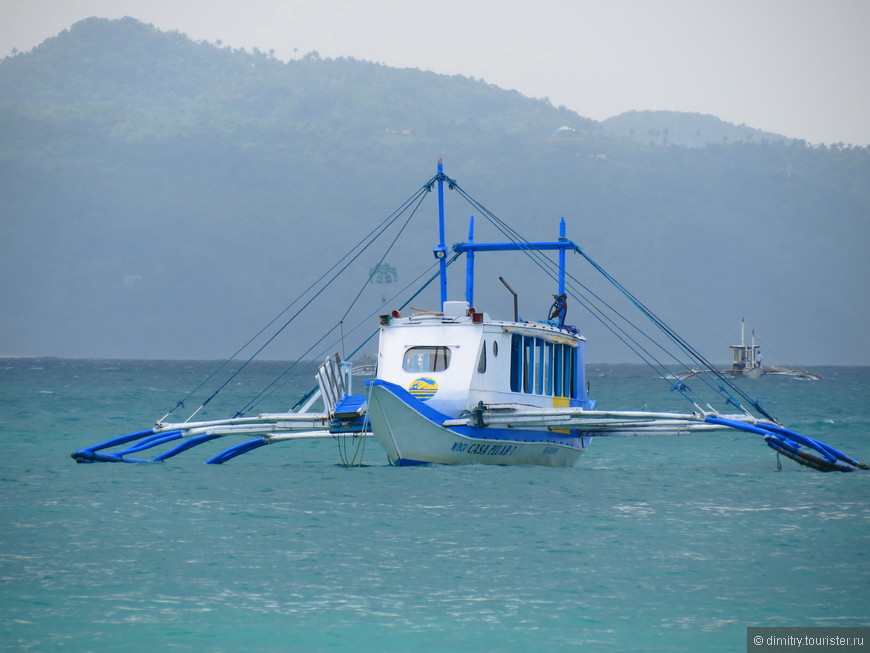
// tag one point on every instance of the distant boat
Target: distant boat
(746, 362)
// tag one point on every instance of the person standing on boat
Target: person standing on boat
(559, 309)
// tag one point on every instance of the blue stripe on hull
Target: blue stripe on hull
(518, 435)
(514, 435)
(407, 462)
(412, 433)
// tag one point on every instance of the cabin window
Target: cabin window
(494, 348)
(548, 373)
(426, 359)
(539, 366)
(481, 363)
(516, 367)
(528, 348)
(565, 378)
(571, 358)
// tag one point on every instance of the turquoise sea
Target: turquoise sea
(649, 544)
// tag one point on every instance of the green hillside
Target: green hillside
(686, 129)
(162, 197)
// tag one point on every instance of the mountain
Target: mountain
(686, 129)
(164, 198)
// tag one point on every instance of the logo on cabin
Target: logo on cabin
(423, 388)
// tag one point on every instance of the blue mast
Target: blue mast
(469, 248)
(441, 250)
(562, 239)
(469, 266)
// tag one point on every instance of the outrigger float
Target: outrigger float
(456, 385)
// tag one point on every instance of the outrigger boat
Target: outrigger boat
(746, 362)
(456, 385)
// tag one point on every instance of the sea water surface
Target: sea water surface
(648, 544)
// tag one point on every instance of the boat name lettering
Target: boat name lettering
(485, 449)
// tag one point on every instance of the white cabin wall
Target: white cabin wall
(463, 340)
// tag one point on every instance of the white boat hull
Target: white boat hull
(412, 434)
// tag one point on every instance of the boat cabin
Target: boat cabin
(745, 357)
(454, 359)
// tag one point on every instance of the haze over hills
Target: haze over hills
(688, 129)
(163, 198)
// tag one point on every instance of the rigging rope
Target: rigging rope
(721, 385)
(550, 268)
(349, 257)
(384, 256)
(329, 347)
(412, 204)
(601, 310)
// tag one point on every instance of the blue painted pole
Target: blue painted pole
(469, 266)
(123, 439)
(562, 237)
(237, 450)
(184, 446)
(152, 441)
(441, 251)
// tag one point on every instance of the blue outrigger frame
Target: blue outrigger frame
(818, 455)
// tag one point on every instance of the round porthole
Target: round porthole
(494, 348)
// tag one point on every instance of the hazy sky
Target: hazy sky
(796, 67)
